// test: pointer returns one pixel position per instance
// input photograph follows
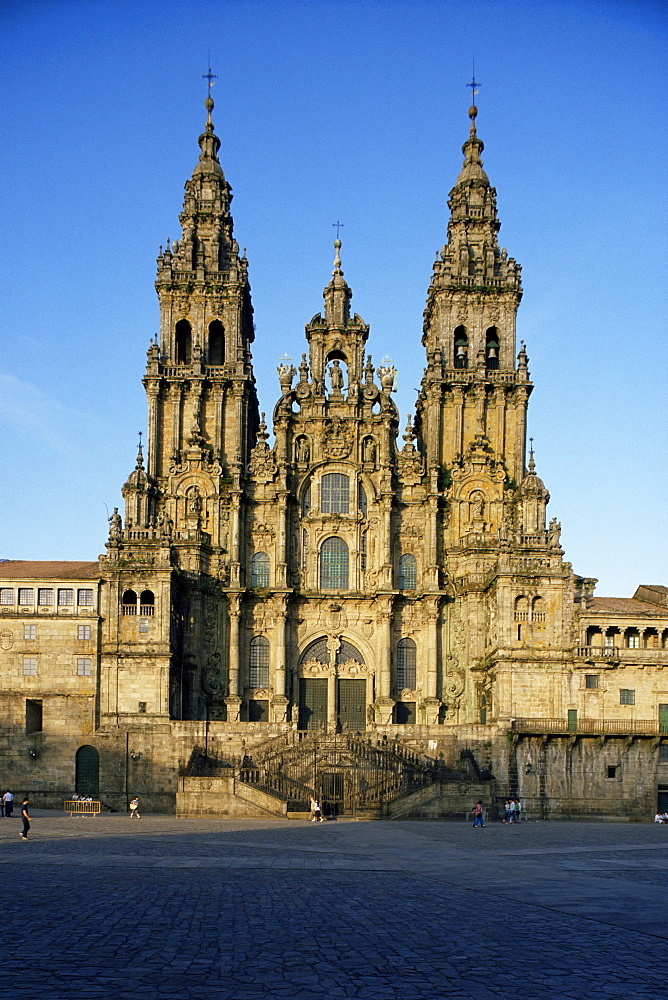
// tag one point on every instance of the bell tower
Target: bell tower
(474, 391)
(203, 410)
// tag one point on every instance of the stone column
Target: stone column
(233, 701)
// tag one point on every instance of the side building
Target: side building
(387, 621)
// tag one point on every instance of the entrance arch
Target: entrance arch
(332, 690)
(87, 772)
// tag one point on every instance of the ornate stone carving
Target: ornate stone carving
(337, 438)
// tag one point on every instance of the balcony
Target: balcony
(589, 727)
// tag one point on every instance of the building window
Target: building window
(627, 696)
(83, 632)
(612, 770)
(129, 603)
(33, 715)
(663, 753)
(216, 343)
(45, 597)
(334, 564)
(141, 707)
(633, 640)
(609, 641)
(335, 493)
(83, 666)
(147, 603)
(85, 598)
(258, 711)
(522, 609)
(492, 349)
(260, 570)
(26, 597)
(404, 713)
(6, 595)
(461, 348)
(183, 339)
(143, 625)
(30, 666)
(65, 597)
(406, 660)
(538, 610)
(29, 631)
(407, 572)
(258, 675)
(591, 681)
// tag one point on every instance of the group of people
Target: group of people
(7, 809)
(82, 798)
(7, 804)
(512, 811)
(661, 818)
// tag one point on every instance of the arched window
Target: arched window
(483, 710)
(258, 673)
(334, 564)
(538, 610)
(406, 659)
(184, 342)
(306, 500)
(492, 349)
(461, 348)
(87, 771)
(216, 352)
(407, 572)
(260, 570)
(522, 609)
(146, 603)
(129, 603)
(335, 493)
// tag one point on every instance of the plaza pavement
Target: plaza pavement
(255, 909)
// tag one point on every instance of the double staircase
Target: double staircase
(351, 775)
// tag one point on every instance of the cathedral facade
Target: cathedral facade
(393, 581)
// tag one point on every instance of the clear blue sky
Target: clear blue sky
(335, 110)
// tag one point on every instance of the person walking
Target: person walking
(518, 810)
(313, 804)
(318, 812)
(478, 817)
(134, 809)
(8, 799)
(26, 817)
(511, 811)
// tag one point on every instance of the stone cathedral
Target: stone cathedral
(371, 609)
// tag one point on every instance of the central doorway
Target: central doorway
(312, 703)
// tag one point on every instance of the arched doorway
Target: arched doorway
(87, 770)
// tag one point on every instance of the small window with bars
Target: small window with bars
(663, 753)
(83, 666)
(83, 632)
(627, 696)
(258, 674)
(85, 597)
(260, 570)
(30, 666)
(406, 661)
(29, 631)
(65, 597)
(407, 572)
(45, 597)
(591, 681)
(6, 595)
(26, 597)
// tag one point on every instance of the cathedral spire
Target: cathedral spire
(337, 294)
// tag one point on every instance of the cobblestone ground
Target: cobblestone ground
(247, 910)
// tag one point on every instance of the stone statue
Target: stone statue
(336, 377)
(303, 450)
(115, 525)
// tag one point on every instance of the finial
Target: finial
(208, 104)
(532, 464)
(475, 87)
(140, 454)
